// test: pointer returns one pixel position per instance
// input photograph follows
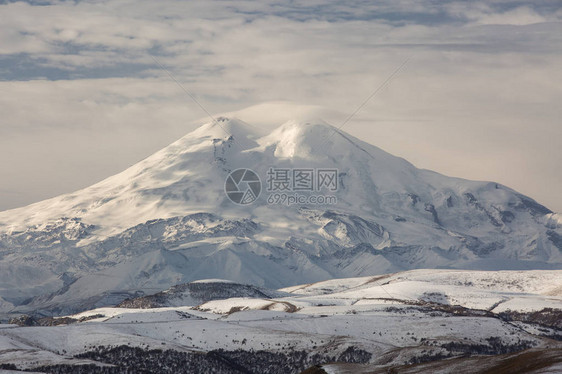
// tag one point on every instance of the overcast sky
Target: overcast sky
(81, 98)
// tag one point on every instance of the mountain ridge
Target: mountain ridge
(167, 220)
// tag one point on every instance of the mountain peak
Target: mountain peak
(244, 134)
(300, 139)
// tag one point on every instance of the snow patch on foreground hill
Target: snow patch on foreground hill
(199, 292)
(380, 322)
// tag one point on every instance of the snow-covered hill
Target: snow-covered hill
(168, 221)
(199, 292)
(372, 324)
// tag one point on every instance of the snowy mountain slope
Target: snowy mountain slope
(522, 291)
(474, 289)
(167, 220)
(346, 320)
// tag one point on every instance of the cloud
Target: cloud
(519, 16)
(480, 91)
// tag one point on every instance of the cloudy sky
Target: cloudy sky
(81, 98)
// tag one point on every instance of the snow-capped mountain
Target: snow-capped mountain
(167, 220)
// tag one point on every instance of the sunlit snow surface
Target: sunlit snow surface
(399, 313)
